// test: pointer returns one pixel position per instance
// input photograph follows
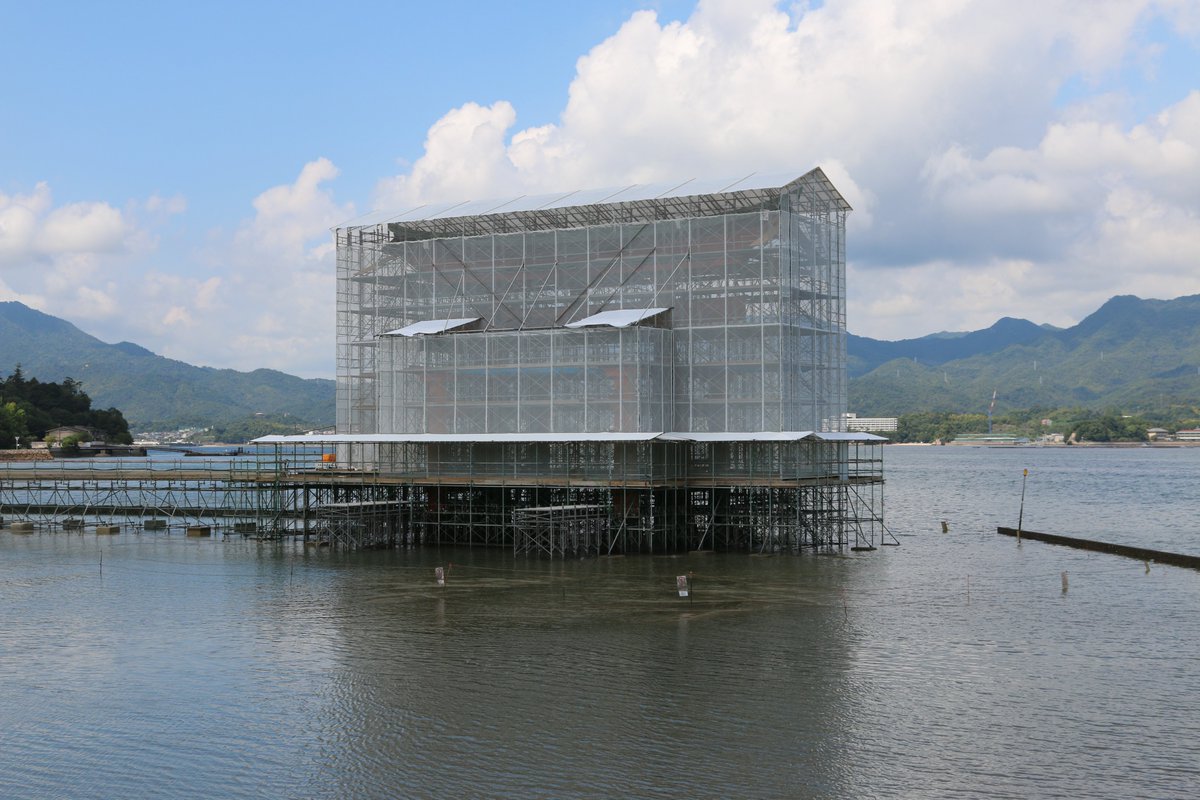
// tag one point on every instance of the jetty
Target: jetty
(532, 499)
(1140, 553)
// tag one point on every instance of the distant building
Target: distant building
(1188, 435)
(56, 435)
(1158, 434)
(857, 423)
(988, 438)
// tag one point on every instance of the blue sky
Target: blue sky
(221, 100)
(168, 172)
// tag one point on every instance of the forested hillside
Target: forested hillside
(155, 393)
(29, 408)
(1131, 354)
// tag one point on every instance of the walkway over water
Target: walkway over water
(486, 504)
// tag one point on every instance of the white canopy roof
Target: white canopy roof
(769, 436)
(617, 318)
(450, 438)
(467, 438)
(431, 326)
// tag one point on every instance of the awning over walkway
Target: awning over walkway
(482, 438)
(617, 318)
(431, 326)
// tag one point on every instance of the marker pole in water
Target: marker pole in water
(1064, 582)
(439, 575)
(1021, 514)
(681, 584)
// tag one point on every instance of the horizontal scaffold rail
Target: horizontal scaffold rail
(464, 479)
(124, 510)
(558, 513)
(27, 476)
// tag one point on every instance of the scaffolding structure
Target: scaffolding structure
(640, 309)
(648, 369)
(656, 494)
(238, 495)
(643, 370)
(661, 493)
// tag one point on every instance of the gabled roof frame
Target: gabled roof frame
(630, 204)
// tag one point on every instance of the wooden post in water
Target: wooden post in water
(1021, 514)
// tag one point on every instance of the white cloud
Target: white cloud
(442, 174)
(65, 259)
(291, 223)
(275, 304)
(177, 315)
(8, 293)
(262, 295)
(166, 206)
(33, 230)
(876, 84)
(1106, 210)
(83, 228)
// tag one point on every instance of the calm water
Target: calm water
(155, 666)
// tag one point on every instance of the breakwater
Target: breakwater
(1140, 553)
(25, 455)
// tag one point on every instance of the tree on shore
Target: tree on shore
(29, 408)
(1088, 425)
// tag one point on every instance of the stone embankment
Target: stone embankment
(25, 455)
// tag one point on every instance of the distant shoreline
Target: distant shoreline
(1060, 445)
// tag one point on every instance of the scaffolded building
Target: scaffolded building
(648, 369)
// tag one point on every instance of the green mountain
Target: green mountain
(153, 392)
(1131, 354)
(866, 354)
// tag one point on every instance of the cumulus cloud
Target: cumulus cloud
(872, 83)
(64, 259)
(166, 206)
(33, 230)
(281, 280)
(83, 228)
(259, 295)
(1103, 209)
(442, 174)
(939, 120)
(291, 223)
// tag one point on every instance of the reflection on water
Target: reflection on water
(953, 664)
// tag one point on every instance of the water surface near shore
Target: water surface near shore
(154, 665)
